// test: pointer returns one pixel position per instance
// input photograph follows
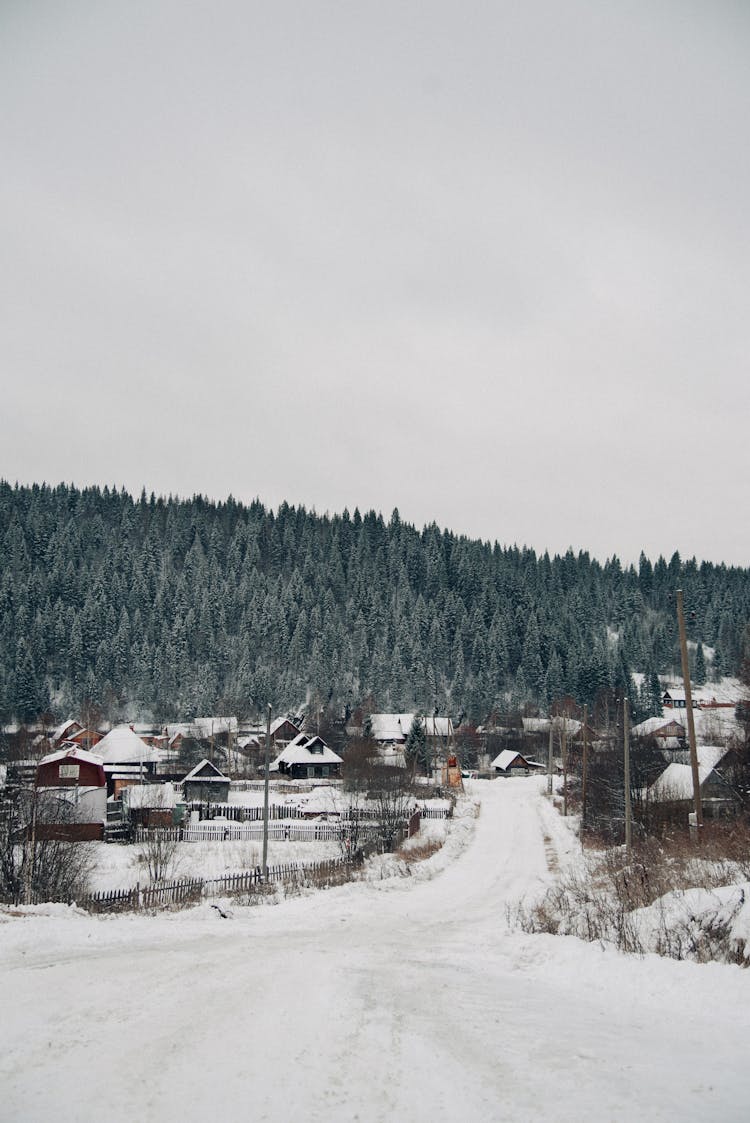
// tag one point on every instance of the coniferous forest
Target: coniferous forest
(155, 608)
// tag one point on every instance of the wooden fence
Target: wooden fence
(192, 890)
(239, 814)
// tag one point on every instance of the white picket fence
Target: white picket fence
(209, 830)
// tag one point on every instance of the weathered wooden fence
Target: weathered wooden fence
(191, 890)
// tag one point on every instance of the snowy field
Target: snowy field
(123, 867)
(401, 998)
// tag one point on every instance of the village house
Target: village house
(307, 758)
(393, 729)
(668, 734)
(72, 795)
(71, 732)
(509, 762)
(206, 784)
(126, 757)
(673, 789)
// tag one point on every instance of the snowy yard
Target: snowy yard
(398, 998)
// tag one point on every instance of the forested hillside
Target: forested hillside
(157, 608)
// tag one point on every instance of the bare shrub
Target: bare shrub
(38, 865)
(159, 854)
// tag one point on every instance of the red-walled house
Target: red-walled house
(72, 795)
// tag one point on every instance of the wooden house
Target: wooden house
(206, 784)
(307, 758)
(71, 732)
(72, 795)
(673, 789)
(509, 763)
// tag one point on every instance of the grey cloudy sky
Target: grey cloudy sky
(486, 262)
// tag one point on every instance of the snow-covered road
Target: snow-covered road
(406, 1000)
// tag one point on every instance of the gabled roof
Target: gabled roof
(395, 727)
(206, 772)
(62, 730)
(300, 751)
(676, 781)
(280, 721)
(72, 753)
(653, 725)
(391, 727)
(201, 728)
(504, 760)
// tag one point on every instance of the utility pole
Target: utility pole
(690, 719)
(28, 887)
(265, 795)
(564, 751)
(585, 768)
(550, 760)
(626, 750)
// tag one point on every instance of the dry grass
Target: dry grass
(412, 852)
(600, 900)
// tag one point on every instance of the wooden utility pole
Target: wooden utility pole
(28, 887)
(690, 719)
(265, 794)
(550, 759)
(626, 752)
(585, 768)
(564, 751)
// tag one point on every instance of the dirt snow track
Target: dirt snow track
(402, 1000)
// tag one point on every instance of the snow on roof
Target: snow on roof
(202, 727)
(299, 751)
(215, 725)
(122, 745)
(536, 724)
(652, 724)
(542, 724)
(277, 724)
(73, 753)
(246, 742)
(150, 795)
(676, 781)
(391, 727)
(395, 727)
(206, 772)
(505, 759)
(59, 733)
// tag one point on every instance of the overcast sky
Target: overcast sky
(485, 262)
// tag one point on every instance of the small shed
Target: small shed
(151, 805)
(206, 783)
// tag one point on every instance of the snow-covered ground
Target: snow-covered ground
(401, 998)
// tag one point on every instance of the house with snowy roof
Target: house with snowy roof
(126, 757)
(509, 763)
(72, 789)
(393, 729)
(669, 734)
(71, 732)
(307, 758)
(675, 784)
(206, 782)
